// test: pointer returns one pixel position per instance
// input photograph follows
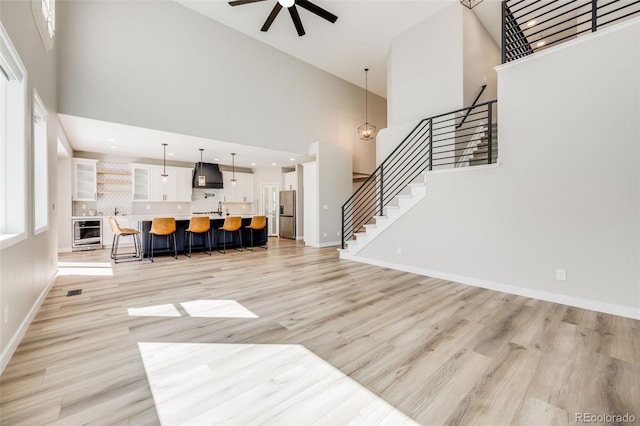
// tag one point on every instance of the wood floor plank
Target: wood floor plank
(392, 348)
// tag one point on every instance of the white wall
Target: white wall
(425, 68)
(310, 221)
(566, 196)
(27, 268)
(480, 55)
(159, 65)
(335, 179)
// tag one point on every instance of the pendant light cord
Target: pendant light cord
(366, 95)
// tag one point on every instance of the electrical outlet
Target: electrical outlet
(6, 314)
(325, 207)
(399, 250)
(561, 274)
(338, 233)
(148, 207)
(179, 206)
(324, 234)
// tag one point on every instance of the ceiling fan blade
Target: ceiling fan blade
(317, 10)
(295, 16)
(241, 2)
(272, 16)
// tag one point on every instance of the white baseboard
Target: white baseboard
(22, 330)
(592, 305)
(330, 244)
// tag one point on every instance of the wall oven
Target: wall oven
(87, 234)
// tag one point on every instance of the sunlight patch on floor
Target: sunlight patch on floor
(217, 309)
(196, 309)
(100, 269)
(207, 383)
(167, 310)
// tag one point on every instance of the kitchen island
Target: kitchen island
(163, 245)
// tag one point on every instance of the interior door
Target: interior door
(270, 206)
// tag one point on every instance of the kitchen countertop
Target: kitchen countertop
(185, 216)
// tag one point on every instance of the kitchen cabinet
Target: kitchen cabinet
(141, 182)
(85, 182)
(290, 181)
(241, 192)
(149, 186)
(184, 181)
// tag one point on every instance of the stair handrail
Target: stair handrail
(412, 156)
(475, 101)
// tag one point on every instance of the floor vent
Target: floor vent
(74, 292)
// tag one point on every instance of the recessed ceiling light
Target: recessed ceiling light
(111, 140)
(216, 159)
(292, 159)
(531, 23)
(274, 164)
(540, 43)
(114, 147)
(253, 164)
(169, 154)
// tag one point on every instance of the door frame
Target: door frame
(274, 230)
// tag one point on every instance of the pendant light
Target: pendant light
(164, 163)
(233, 168)
(367, 131)
(202, 179)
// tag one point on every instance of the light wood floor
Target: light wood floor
(310, 331)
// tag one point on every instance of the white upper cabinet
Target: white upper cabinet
(85, 179)
(241, 191)
(141, 182)
(184, 181)
(291, 181)
(149, 186)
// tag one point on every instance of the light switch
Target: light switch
(325, 207)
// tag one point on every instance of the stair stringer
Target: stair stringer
(405, 202)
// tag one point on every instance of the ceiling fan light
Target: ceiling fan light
(286, 3)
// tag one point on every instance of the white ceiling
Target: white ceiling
(137, 142)
(360, 38)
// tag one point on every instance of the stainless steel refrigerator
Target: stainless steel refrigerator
(288, 214)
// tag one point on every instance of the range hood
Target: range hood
(212, 174)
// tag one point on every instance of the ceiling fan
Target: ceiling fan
(293, 11)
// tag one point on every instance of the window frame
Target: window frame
(44, 12)
(14, 145)
(40, 165)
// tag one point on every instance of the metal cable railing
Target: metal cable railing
(465, 137)
(531, 26)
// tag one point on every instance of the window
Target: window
(40, 166)
(45, 16)
(13, 96)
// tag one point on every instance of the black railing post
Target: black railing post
(342, 234)
(381, 191)
(594, 15)
(430, 144)
(502, 17)
(490, 132)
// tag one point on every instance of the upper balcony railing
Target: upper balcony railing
(532, 25)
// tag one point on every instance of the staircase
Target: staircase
(460, 138)
(403, 202)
